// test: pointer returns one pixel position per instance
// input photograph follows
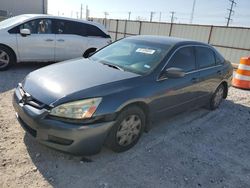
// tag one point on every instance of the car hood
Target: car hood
(51, 83)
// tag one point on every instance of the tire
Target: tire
(7, 58)
(217, 97)
(127, 130)
(89, 51)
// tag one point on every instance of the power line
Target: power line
(233, 3)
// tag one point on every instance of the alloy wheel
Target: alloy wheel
(218, 96)
(129, 130)
(4, 59)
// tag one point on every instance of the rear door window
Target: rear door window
(71, 28)
(184, 58)
(204, 57)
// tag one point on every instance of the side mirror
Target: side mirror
(173, 72)
(25, 32)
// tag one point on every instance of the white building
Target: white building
(17, 7)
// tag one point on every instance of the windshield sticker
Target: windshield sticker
(147, 66)
(145, 51)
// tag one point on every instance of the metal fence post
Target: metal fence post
(210, 34)
(170, 30)
(125, 28)
(116, 33)
(140, 27)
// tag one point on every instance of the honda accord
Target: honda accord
(114, 95)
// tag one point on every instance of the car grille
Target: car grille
(27, 99)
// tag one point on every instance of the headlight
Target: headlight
(77, 110)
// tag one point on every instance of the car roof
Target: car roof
(173, 41)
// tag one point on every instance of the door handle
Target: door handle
(195, 80)
(49, 40)
(60, 40)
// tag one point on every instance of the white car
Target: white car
(44, 38)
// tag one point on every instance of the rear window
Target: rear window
(95, 31)
(204, 57)
(218, 58)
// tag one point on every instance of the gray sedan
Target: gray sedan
(113, 96)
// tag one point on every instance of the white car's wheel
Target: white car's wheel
(7, 58)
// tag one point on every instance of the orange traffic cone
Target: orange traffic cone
(241, 78)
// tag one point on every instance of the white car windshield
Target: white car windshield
(12, 21)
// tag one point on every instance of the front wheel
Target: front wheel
(217, 97)
(127, 130)
(6, 58)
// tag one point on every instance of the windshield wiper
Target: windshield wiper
(114, 66)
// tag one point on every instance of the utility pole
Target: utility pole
(172, 16)
(151, 16)
(81, 12)
(160, 17)
(129, 13)
(192, 13)
(231, 11)
(105, 15)
(87, 12)
(43, 7)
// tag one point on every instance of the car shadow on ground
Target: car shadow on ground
(10, 78)
(197, 148)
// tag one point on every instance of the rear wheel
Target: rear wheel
(217, 97)
(127, 130)
(7, 58)
(88, 52)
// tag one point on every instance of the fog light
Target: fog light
(59, 140)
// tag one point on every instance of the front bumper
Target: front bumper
(71, 138)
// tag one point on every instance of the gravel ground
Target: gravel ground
(195, 149)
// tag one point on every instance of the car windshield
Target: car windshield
(12, 21)
(137, 56)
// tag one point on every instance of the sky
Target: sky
(211, 12)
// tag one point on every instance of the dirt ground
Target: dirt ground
(194, 149)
